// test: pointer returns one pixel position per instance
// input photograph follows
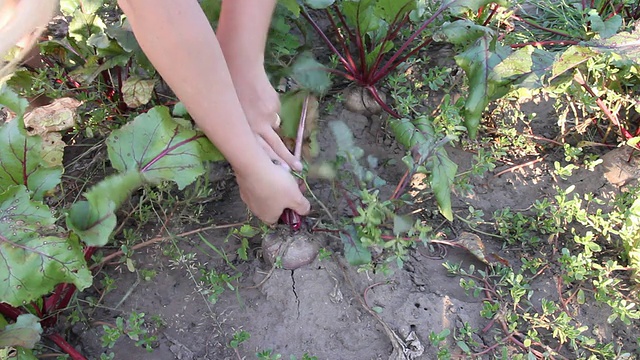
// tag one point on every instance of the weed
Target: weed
(133, 328)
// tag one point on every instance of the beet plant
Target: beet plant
(45, 262)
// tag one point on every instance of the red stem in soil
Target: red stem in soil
(604, 6)
(360, 45)
(493, 12)
(401, 185)
(553, 31)
(336, 8)
(388, 65)
(66, 347)
(10, 311)
(328, 42)
(394, 28)
(350, 203)
(545, 43)
(342, 42)
(615, 11)
(376, 97)
(405, 57)
(390, 35)
(613, 118)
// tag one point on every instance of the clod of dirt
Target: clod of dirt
(296, 250)
(359, 100)
(621, 166)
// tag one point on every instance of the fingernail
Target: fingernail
(297, 166)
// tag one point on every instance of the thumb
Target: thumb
(301, 205)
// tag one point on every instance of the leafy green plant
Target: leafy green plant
(133, 328)
(33, 240)
(374, 37)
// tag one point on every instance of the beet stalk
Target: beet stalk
(290, 217)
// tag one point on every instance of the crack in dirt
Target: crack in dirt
(293, 287)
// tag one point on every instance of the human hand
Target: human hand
(261, 105)
(268, 190)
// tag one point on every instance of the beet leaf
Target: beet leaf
(36, 254)
(151, 149)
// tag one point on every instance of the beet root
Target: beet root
(296, 249)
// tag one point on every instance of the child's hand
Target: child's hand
(261, 105)
(268, 189)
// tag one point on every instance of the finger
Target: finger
(302, 206)
(272, 154)
(278, 122)
(277, 146)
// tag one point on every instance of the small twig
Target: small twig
(514, 168)
(364, 295)
(130, 291)
(161, 239)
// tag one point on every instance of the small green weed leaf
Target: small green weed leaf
(570, 59)
(377, 309)
(318, 4)
(464, 347)
(25, 332)
(21, 161)
(607, 28)
(355, 253)
(137, 91)
(443, 172)
(310, 74)
(462, 7)
(36, 257)
(478, 63)
(161, 149)
(402, 224)
(94, 219)
(631, 240)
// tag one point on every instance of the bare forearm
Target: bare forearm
(183, 48)
(242, 30)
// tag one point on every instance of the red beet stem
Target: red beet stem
(290, 217)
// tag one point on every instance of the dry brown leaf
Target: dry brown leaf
(474, 244)
(60, 115)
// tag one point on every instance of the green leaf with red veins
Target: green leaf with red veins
(35, 255)
(151, 149)
(21, 161)
(161, 149)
